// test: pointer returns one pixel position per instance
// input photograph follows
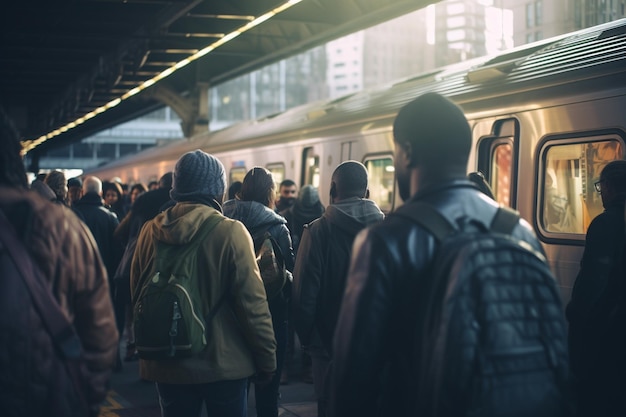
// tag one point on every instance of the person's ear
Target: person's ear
(405, 154)
(367, 194)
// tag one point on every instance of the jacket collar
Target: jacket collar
(91, 199)
(432, 189)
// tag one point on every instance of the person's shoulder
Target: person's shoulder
(230, 226)
(51, 220)
(606, 224)
(317, 227)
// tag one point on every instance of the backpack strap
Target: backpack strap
(61, 331)
(428, 217)
(505, 220)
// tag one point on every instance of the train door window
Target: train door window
(311, 168)
(496, 160)
(568, 200)
(237, 174)
(381, 180)
(346, 151)
(278, 172)
(502, 172)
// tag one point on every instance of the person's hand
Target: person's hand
(261, 379)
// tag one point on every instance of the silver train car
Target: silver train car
(546, 118)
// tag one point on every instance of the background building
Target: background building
(538, 19)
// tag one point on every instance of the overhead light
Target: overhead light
(28, 145)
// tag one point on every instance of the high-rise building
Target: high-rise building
(378, 55)
(459, 31)
(538, 19)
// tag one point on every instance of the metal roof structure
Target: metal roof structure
(70, 69)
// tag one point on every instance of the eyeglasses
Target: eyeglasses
(598, 185)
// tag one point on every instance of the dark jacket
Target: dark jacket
(590, 347)
(258, 218)
(373, 350)
(306, 208)
(102, 223)
(145, 208)
(63, 248)
(322, 265)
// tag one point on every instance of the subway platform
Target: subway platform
(131, 397)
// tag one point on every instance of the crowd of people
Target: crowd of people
(354, 302)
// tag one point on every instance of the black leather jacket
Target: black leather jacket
(373, 342)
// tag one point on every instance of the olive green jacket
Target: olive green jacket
(240, 336)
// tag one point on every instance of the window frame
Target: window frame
(543, 146)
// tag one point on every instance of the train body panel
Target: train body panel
(545, 120)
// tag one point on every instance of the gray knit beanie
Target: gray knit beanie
(198, 175)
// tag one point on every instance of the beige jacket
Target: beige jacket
(241, 338)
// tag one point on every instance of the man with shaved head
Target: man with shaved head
(378, 362)
(322, 264)
(101, 221)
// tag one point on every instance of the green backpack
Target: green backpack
(170, 318)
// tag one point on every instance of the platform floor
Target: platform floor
(131, 397)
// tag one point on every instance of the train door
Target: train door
(497, 159)
(310, 167)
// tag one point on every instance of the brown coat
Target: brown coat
(66, 252)
(241, 337)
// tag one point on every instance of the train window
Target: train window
(501, 172)
(311, 167)
(278, 172)
(568, 200)
(381, 181)
(237, 174)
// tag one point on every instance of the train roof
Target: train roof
(593, 59)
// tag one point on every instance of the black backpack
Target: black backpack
(35, 331)
(495, 341)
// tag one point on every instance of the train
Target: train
(545, 117)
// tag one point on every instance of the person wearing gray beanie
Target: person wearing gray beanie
(198, 176)
(192, 249)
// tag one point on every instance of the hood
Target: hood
(252, 214)
(308, 196)
(354, 213)
(179, 224)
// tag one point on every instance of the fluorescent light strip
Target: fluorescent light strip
(29, 145)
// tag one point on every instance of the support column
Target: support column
(193, 110)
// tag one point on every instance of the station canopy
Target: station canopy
(71, 68)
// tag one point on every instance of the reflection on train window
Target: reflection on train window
(311, 168)
(381, 181)
(501, 172)
(569, 201)
(237, 174)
